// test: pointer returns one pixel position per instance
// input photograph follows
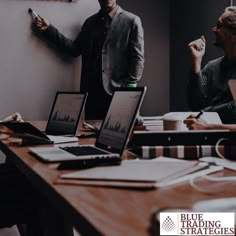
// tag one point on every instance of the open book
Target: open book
(134, 173)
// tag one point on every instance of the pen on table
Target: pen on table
(85, 124)
(198, 115)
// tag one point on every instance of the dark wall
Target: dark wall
(189, 19)
(155, 18)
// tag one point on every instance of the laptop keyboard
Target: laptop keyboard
(83, 150)
(98, 160)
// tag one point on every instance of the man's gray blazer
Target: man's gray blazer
(122, 52)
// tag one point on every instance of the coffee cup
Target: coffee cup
(172, 123)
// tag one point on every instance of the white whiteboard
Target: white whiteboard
(31, 72)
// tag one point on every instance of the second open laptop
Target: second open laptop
(114, 133)
(62, 123)
(65, 114)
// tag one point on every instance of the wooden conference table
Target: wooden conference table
(107, 211)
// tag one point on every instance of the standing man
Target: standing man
(111, 43)
(208, 87)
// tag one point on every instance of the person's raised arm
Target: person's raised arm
(197, 88)
(197, 51)
(58, 40)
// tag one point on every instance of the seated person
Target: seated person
(17, 197)
(199, 124)
(208, 88)
(21, 204)
(14, 117)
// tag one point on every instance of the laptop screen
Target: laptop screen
(65, 113)
(120, 118)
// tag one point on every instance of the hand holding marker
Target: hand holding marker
(40, 23)
(33, 14)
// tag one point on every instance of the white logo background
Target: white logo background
(170, 222)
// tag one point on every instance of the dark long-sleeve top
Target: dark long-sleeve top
(209, 90)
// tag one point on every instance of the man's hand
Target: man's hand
(197, 50)
(14, 117)
(195, 124)
(41, 24)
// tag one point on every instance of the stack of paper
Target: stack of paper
(153, 122)
(62, 139)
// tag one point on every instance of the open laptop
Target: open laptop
(114, 133)
(62, 123)
(65, 113)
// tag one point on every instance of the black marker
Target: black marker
(33, 14)
(198, 115)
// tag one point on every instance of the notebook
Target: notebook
(113, 135)
(158, 172)
(62, 122)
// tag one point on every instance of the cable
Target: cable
(213, 178)
(217, 147)
(199, 189)
(222, 178)
(210, 178)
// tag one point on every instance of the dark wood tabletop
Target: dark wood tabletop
(108, 211)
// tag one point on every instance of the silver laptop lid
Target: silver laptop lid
(120, 119)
